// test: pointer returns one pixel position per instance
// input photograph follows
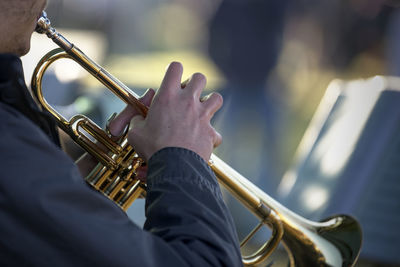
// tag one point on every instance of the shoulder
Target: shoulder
(23, 144)
(7, 112)
(15, 125)
(32, 163)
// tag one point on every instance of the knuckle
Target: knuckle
(212, 103)
(200, 77)
(175, 65)
(217, 98)
(217, 139)
(163, 99)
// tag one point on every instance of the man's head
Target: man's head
(18, 21)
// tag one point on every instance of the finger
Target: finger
(172, 78)
(212, 103)
(196, 84)
(217, 139)
(141, 173)
(147, 98)
(118, 124)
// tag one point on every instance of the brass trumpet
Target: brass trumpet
(336, 241)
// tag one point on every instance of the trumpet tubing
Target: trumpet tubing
(335, 241)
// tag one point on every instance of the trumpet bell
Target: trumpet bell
(335, 241)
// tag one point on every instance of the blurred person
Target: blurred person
(245, 42)
(352, 35)
(51, 217)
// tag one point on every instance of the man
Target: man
(50, 217)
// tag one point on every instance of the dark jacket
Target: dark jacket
(50, 217)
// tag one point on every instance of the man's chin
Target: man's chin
(23, 50)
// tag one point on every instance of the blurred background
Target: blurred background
(272, 61)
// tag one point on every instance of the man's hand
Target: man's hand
(177, 117)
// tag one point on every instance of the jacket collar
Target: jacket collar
(13, 92)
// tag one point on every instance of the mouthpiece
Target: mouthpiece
(44, 26)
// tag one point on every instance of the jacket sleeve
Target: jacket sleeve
(51, 217)
(184, 206)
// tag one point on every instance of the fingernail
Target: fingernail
(183, 85)
(109, 120)
(205, 98)
(145, 92)
(130, 125)
(168, 66)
